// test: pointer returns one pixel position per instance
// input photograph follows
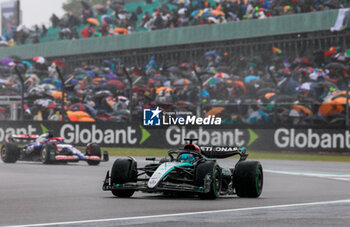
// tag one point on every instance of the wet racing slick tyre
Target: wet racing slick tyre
(123, 171)
(46, 153)
(9, 153)
(214, 172)
(93, 149)
(248, 179)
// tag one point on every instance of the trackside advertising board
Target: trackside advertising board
(111, 134)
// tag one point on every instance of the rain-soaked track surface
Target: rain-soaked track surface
(296, 193)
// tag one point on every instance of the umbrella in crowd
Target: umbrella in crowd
(182, 82)
(298, 91)
(93, 21)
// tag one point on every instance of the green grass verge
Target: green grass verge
(157, 152)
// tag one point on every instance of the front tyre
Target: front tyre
(123, 171)
(9, 153)
(248, 179)
(93, 149)
(213, 170)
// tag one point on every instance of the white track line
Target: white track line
(334, 176)
(187, 214)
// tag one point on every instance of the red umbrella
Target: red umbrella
(39, 59)
(117, 83)
(222, 75)
(53, 106)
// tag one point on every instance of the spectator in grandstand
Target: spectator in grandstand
(86, 12)
(54, 20)
(44, 31)
(88, 31)
(72, 21)
(185, 13)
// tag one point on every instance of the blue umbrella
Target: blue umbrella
(204, 93)
(90, 73)
(107, 19)
(250, 78)
(211, 53)
(194, 13)
(27, 63)
(232, 15)
(258, 117)
(112, 76)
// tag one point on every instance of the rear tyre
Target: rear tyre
(94, 149)
(9, 153)
(211, 168)
(46, 153)
(248, 179)
(123, 171)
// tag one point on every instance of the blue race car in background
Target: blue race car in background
(48, 149)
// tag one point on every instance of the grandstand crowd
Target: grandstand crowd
(273, 88)
(117, 18)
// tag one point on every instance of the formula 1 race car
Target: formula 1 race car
(192, 169)
(48, 149)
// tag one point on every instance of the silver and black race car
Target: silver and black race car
(48, 149)
(192, 169)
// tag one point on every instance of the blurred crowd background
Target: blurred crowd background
(272, 88)
(98, 18)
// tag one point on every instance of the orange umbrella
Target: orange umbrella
(330, 108)
(217, 12)
(97, 80)
(87, 119)
(215, 111)
(73, 118)
(339, 94)
(303, 109)
(58, 94)
(341, 100)
(240, 84)
(78, 114)
(94, 21)
(110, 101)
(165, 89)
(269, 95)
(121, 31)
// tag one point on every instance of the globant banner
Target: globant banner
(135, 135)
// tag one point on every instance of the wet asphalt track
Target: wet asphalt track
(71, 195)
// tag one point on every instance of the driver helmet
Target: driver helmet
(50, 134)
(187, 158)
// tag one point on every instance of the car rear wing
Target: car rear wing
(223, 152)
(22, 137)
